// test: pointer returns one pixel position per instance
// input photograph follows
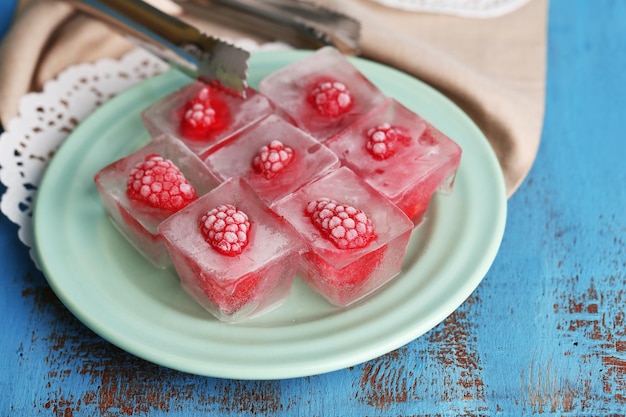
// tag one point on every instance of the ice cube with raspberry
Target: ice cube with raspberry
(356, 238)
(401, 155)
(205, 117)
(234, 256)
(142, 189)
(322, 93)
(275, 157)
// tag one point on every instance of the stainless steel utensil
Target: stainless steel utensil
(297, 22)
(182, 45)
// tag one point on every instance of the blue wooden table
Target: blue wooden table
(544, 334)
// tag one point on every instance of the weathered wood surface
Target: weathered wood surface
(544, 334)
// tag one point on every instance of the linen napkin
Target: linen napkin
(494, 69)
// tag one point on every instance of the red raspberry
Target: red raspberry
(330, 98)
(204, 115)
(160, 184)
(381, 141)
(272, 158)
(226, 228)
(198, 115)
(346, 226)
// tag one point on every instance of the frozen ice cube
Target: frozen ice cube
(275, 157)
(322, 93)
(401, 155)
(345, 273)
(137, 220)
(233, 285)
(205, 117)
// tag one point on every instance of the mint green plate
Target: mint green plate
(117, 294)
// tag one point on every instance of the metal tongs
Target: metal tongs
(213, 60)
(183, 46)
(297, 22)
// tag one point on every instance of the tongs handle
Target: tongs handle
(290, 20)
(180, 44)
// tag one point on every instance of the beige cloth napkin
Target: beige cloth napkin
(494, 69)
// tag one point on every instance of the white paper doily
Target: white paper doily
(464, 8)
(46, 118)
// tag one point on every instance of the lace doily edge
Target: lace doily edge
(497, 8)
(19, 174)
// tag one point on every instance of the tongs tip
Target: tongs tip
(225, 66)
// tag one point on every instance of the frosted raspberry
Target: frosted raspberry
(330, 98)
(381, 141)
(226, 228)
(159, 183)
(272, 158)
(198, 115)
(346, 226)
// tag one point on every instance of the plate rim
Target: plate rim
(338, 361)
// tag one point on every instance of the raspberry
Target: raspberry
(346, 226)
(160, 184)
(330, 98)
(198, 115)
(381, 141)
(226, 228)
(272, 158)
(204, 115)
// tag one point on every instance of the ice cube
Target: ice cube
(233, 283)
(401, 155)
(205, 117)
(347, 270)
(138, 221)
(275, 157)
(322, 93)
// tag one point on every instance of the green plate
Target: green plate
(117, 294)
